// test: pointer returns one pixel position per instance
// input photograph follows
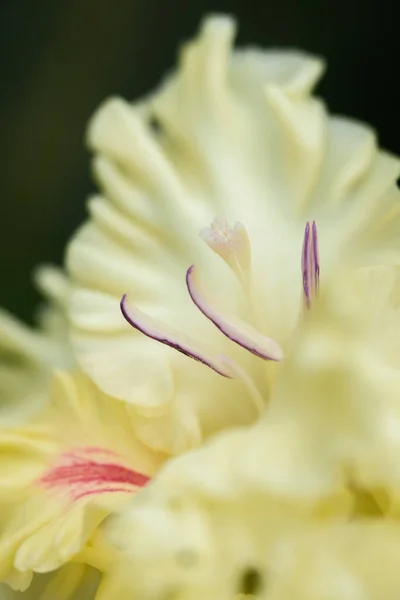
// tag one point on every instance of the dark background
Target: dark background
(60, 58)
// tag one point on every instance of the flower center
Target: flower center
(233, 246)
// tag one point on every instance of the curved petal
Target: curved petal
(27, 354)
(71, 582)
(77, 462)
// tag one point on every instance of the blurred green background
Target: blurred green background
(61, 58)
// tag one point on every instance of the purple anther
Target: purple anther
(234, 329)
(178, 341)
(310, 263)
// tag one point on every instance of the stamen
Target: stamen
(231, 244)
(310, 263)
(237, 331)
(170, 337)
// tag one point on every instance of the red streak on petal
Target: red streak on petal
(80, 476)
(97, 491)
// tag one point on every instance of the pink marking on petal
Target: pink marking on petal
(237, 331)
(168, 336)
(79, 476)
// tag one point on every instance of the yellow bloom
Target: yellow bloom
(229, 198)
(61, 476)
(236, 136)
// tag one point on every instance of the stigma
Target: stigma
(231, 244)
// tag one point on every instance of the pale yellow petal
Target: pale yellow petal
(72, 582)
(76, 463)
